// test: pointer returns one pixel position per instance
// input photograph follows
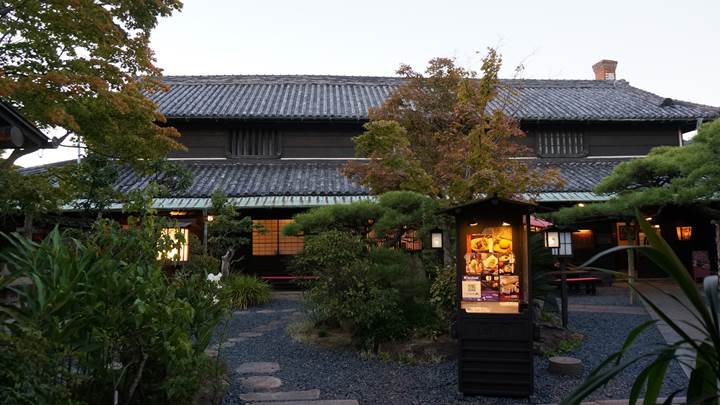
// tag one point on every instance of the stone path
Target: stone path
(656, 291)
(260, 386)
(610, 309)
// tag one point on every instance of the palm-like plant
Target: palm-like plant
(703, 386)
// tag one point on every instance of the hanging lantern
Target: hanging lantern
(559, 240)
(683, 232)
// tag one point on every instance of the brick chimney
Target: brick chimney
(605, 69)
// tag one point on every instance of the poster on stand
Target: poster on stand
(490, 273)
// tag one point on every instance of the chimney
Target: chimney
(605, 69)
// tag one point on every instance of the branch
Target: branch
(18, 153)
(57, 141)
(5, 11)
(136, 381)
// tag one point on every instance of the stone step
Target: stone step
(281, 396)
(260, 382)
(318, 402)
(258, 367)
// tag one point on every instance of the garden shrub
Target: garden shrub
(443, 292)
(375, 292)
(243, 291)
(105, 306)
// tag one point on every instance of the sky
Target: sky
(665, 47)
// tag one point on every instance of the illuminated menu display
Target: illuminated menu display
(491, 281)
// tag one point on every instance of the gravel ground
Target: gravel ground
(343, 374)
(618, 294)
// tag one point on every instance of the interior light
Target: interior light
(648, 219)
(474, 224)
(210, 218)
(505, 224)
(581, 205)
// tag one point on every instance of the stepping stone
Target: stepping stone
(281, 396)
(249, 334)
(266, 311)
(266, 328)
(320, 402)
(260, 367)
(260, 382)
(237, 339)
(288, 310)
(566, 366)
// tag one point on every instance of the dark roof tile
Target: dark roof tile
(350, 97)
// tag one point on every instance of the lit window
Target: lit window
(267, 240)
(289, 245)
(410, 241)
(180, 251)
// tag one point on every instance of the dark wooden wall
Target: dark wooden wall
(307, 139)
(205, 139)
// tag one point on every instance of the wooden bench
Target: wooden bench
(574, 283)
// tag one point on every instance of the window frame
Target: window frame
(558, 138)
(240, 140)
(276, 242)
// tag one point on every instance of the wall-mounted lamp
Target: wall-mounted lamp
(210, 218)
(581, 205)
(648, 219)
(683, 232)
(436, 239)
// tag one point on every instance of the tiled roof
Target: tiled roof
(315, 180)
(258, 178)
(581, 174)
(349, 97)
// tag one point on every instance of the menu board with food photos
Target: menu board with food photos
(490, 272)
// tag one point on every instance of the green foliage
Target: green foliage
(388, 218)
(668, 175)
(75, 65)
(375, 292)
(243, 291)
(30, 195)
(104, 306)
(437, 135)
(30, 371)
(226, 233)
(443, 292)
(703, 385)
(542, 264)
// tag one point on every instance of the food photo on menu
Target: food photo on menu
(490, 267)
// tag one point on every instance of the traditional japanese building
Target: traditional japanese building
(275, 144)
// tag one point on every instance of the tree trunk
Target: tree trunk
(447, 249)
(632, 273)
(717, 245)
(28, 226)
(226, 260)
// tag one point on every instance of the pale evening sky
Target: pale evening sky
(666, 47)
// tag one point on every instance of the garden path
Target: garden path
(656, 291)
(259, 384)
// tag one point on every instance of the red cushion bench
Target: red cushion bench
(590, 283)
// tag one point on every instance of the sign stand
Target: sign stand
(494, 318)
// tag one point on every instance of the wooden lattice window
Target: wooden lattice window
(561, 143)
(255, 142)
(267, 240)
